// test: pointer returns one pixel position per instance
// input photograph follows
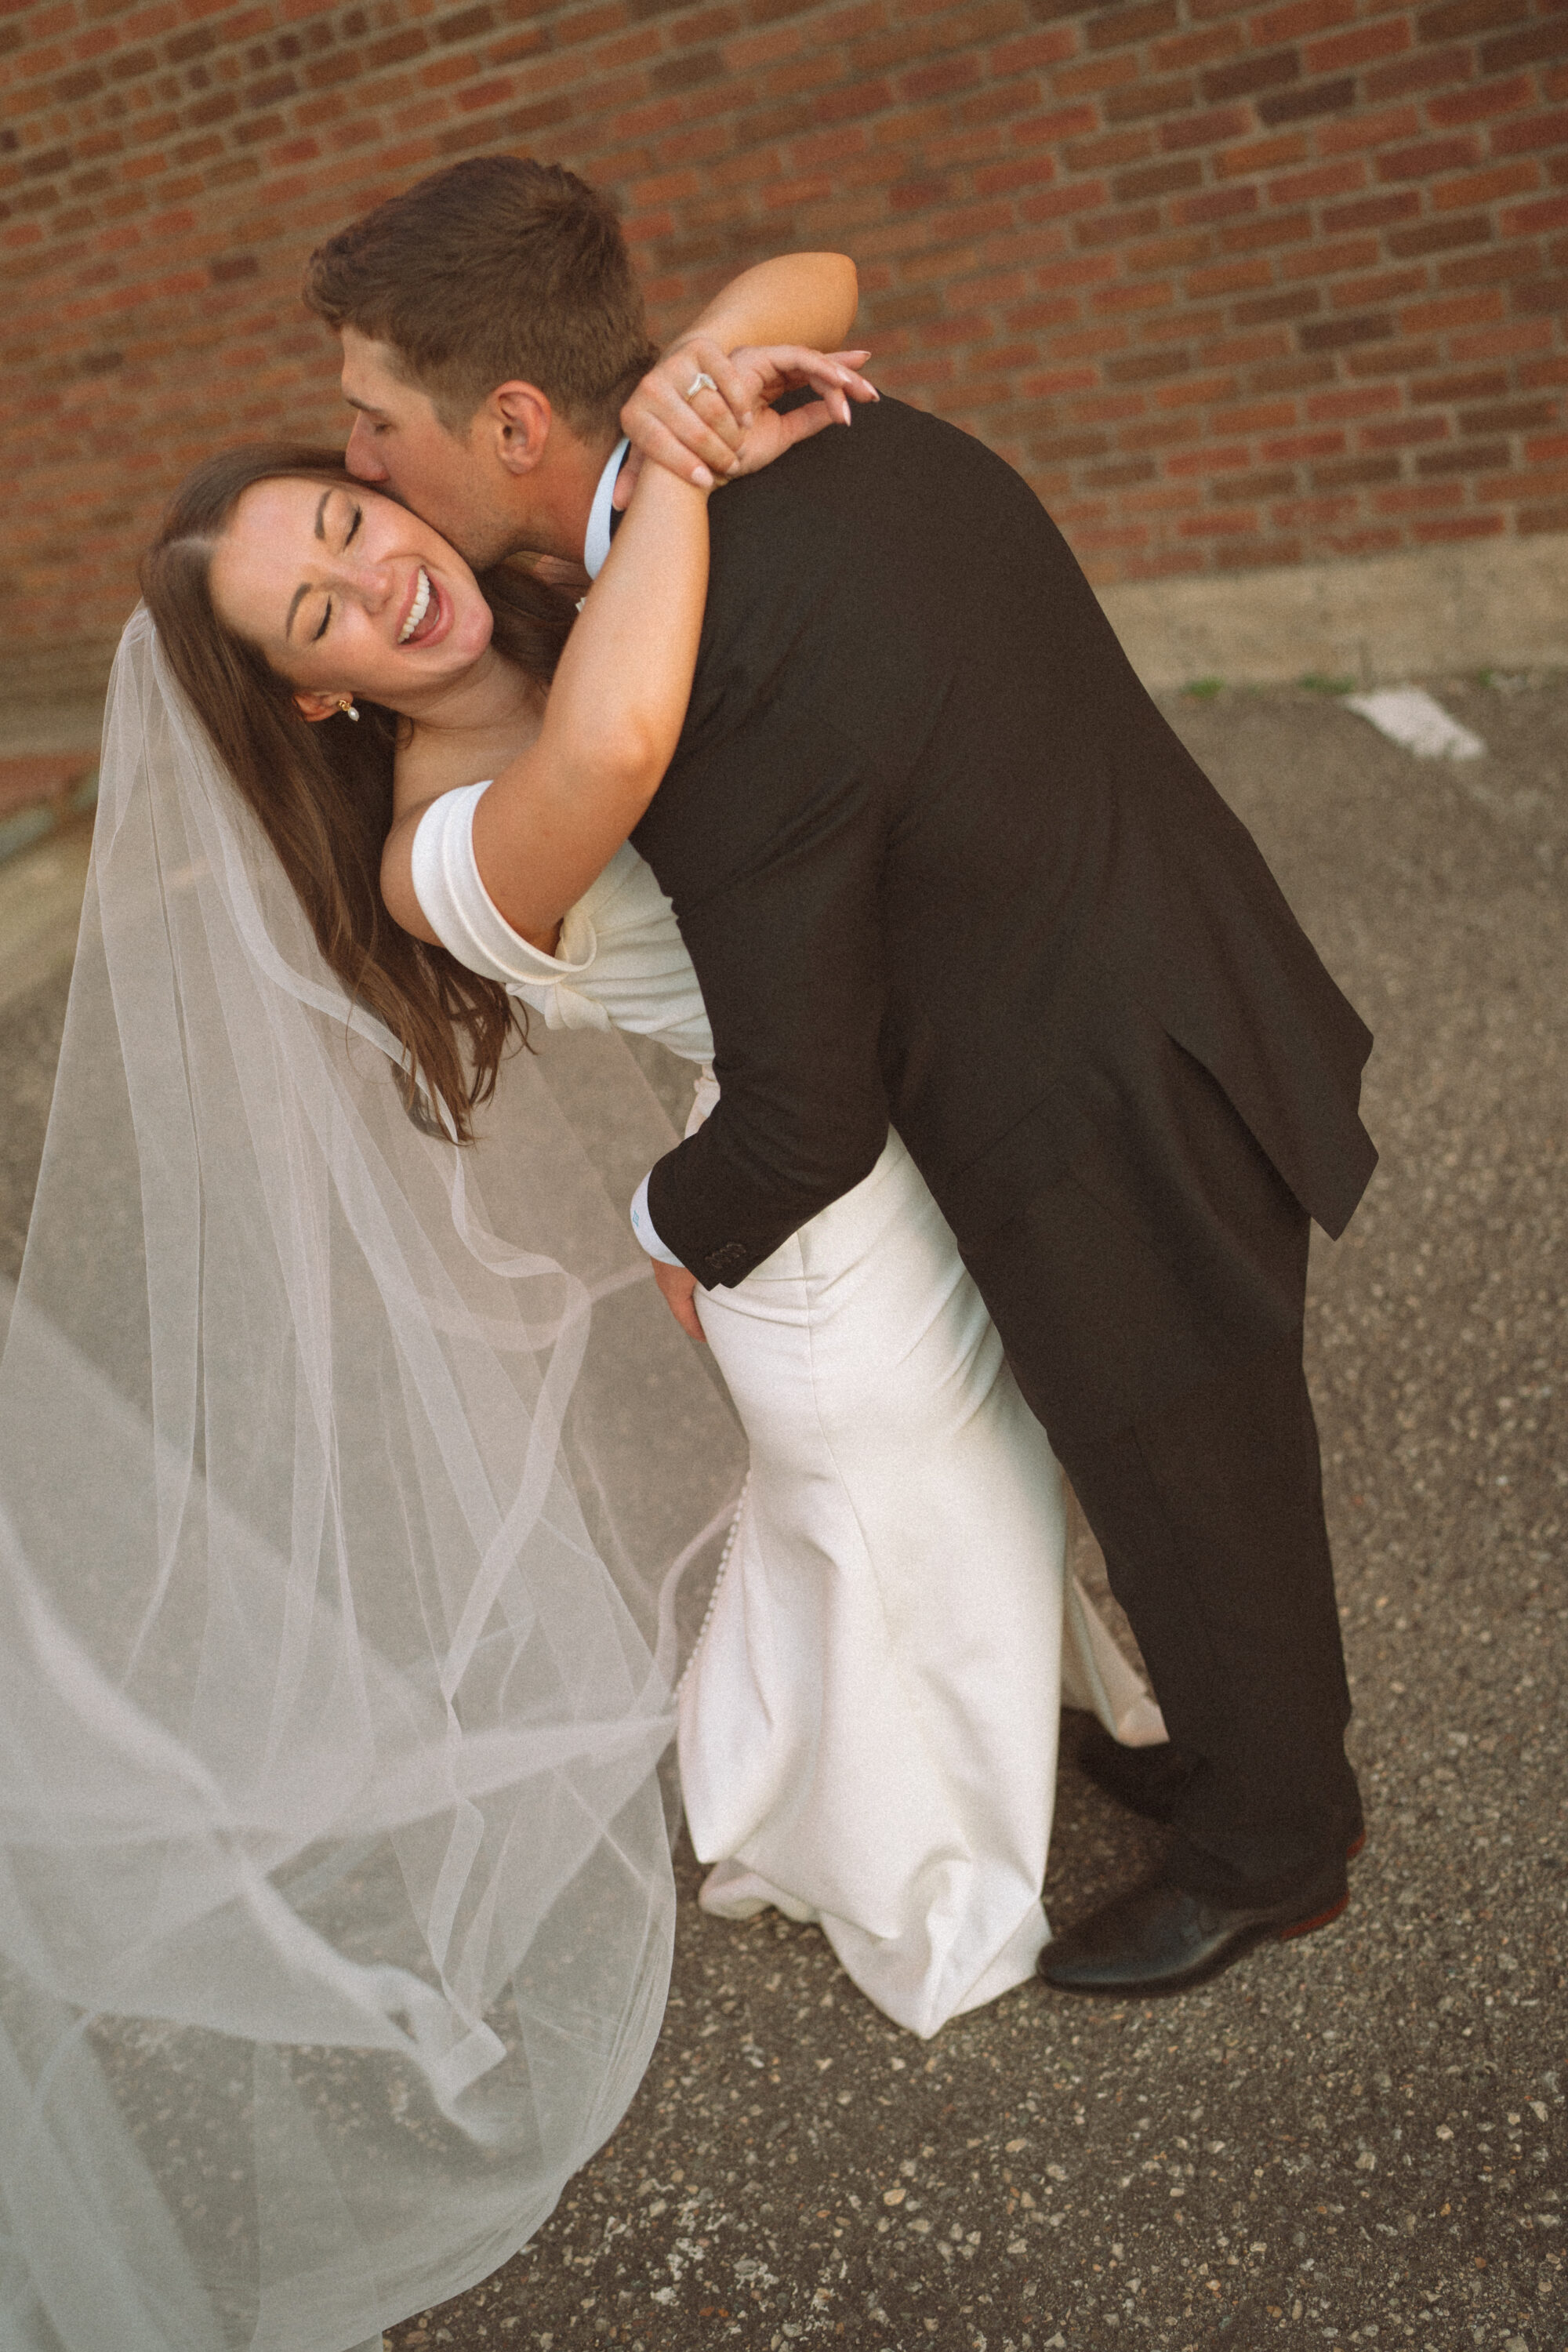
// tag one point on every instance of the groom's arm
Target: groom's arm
(790, 958)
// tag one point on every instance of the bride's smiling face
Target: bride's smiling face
(346, 592)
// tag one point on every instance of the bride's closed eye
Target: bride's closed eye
(355, 520)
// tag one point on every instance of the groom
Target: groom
(939, 861)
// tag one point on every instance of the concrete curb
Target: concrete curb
(1501, 604)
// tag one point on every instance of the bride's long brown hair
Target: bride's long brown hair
(322, 793)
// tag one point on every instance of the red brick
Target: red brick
(1404, 432)
(1274, 228)
(1122, 25)
(1547, 295)
(1494, 266)
(1534, 373)
(1298, 17)
(1384, 286)
(1256, 156)
(1106, 152)
(1299, 302)
(1456, 18)
(1157, 180)
(1528, 220)
(1459, 310)
(1217, 205)
(1362, 401)
(1357, 47)
(1372, 212)
(1530, 46)
(1427, 70)
(1299, 446)
(1229, 278)
(1214, 457)
(1501, 342)
(1246, 76)
(1322, 180)
(1425, 160)
(1204, 47)
(1089, 80)
(1460, 528)
(1492, 101)
(1115, 300)
(1340, 334)
(1532, 130)
(1063, 122)
(1440, 235)
(1486, 187)
(1364, 131)
(1209, 129)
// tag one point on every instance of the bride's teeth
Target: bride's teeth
(417, 610)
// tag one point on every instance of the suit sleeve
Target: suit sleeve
(789, 952)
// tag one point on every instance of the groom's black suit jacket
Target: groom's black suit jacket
(938, 859)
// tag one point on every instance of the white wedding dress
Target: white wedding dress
(868, 1729)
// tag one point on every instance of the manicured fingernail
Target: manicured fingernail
(702, 478)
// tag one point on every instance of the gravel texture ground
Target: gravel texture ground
(1357, 2138)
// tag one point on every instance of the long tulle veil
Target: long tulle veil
(345, 1481)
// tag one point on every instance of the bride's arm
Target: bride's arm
(796, 297)
(557, 814)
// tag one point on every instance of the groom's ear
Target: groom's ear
(517, 418)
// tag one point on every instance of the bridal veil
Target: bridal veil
(347, 1480)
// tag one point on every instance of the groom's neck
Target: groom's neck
(553, 517)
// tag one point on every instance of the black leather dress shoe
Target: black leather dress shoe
(1150, 1780)
(1158, 1938)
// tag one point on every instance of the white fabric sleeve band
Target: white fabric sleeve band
(646, 1230)
(455, 902)
(597, 545)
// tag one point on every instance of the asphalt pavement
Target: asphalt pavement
(1357, 2138)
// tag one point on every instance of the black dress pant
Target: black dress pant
(1167, 1374)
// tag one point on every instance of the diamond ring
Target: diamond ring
(699, 382)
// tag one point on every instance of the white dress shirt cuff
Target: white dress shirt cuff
(596, 546)
(647, 1232)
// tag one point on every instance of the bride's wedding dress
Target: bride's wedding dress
(868, 1729)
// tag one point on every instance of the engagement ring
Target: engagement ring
(699, 382)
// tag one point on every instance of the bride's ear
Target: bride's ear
(517, 418)
(317, 707)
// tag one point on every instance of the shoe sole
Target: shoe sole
(1319, 1919)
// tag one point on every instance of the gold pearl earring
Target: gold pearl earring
(346, 704)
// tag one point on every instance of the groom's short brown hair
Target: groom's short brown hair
(496, 270)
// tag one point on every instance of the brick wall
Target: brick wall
(1233, 285)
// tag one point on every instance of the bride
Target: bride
(350, 1474)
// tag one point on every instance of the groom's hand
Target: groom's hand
(717, 431)
(679, 1289)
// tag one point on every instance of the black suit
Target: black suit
(938, 859)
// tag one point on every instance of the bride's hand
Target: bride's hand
(717, 431)
(679, 1290)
